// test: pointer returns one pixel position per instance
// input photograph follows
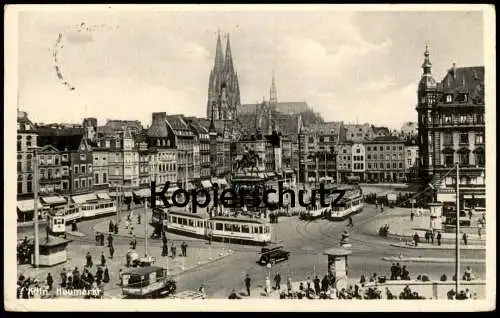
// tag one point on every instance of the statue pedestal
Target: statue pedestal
(337, 266)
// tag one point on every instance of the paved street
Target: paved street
(305, 240)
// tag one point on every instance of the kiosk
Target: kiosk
(53, 250)
(436, 211)
(337, 266)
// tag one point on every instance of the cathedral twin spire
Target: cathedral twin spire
(223, 86)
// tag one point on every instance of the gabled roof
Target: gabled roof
(177, 123)
(61, 142)
(463, 79)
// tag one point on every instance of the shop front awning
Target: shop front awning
(103, 196)
(206, 183)
(143, 193)
(53, 200)
(79, 199)
(28, 205)
(446, 197)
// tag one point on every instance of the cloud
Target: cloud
(377, 85)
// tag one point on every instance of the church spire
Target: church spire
(228, 60)
(273, 98)
(427, 81)
(219, 58)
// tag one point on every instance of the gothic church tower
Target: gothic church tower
(223, 86)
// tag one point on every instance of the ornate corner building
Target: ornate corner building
(451, 129)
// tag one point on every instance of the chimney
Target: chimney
(159, 117)
(453, 70)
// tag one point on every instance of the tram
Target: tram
(351, 203)
(56, 223)
(236, 229)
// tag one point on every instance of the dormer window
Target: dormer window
(465, 97)
(449, 98)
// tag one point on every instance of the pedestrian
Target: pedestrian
(412, 215)
(465, 238)
(268, 285)
(277, 281)
(102, 239)
(110, 240)
(111, 226)
(416, 239)
(116, 228)
(131, 229)
(248, 281)
(50, 281)
(133, 243)
(106, 275)
(97, 238)
(173, 249)
(308, 285)
(233, 295)
(393, 271)
(89, 259)
(350, 221)
(432, 237)
(470, 214)
(120, 277)
(63, 278)
(399, 271)
(129, 259)
(111, 251)
(184, 249)
(98, 275)
(139, 219)
(438, 238)
(317, 287)
(324, 283)
(103, 259)
(382, 207)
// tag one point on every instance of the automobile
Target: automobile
(148, 282)
(273, 254)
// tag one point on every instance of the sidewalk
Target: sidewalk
(196, 257)
(440, 247)
(431, 260)
(401, 226)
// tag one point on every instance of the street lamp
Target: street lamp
(35, 210)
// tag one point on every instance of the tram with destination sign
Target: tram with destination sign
(236, 229)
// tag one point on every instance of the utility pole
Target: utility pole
(457, 238)
(146, 224)
(35, 210)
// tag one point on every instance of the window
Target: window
(394, 165)
(90, 168)
(463, 119)
(18, 145)
(65, 157)
(449, 98)
(19, 187)
(83, 156)
(393, 147)
(369, 166)
(400, 165)
(82, 167)
(393, 156)
(368, 148)
(479, 139)
(409, 162)
(387, 148)
(96, 178)
(75, 169)
(358, 150)
(464, 158)
(29, 188)
(218, 226)
(368, 156)
(480, 159)
(77, 184)
(84, 183)
(447, 119)
(387, 157)
(464, 139)
(19, 166)
(374, 148)
(448, 139)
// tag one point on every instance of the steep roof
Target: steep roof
(283, 107)
(465, 80)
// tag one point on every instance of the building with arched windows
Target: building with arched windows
(451, 130)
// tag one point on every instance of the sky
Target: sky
(351, 66)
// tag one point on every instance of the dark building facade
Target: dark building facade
(451, 129)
